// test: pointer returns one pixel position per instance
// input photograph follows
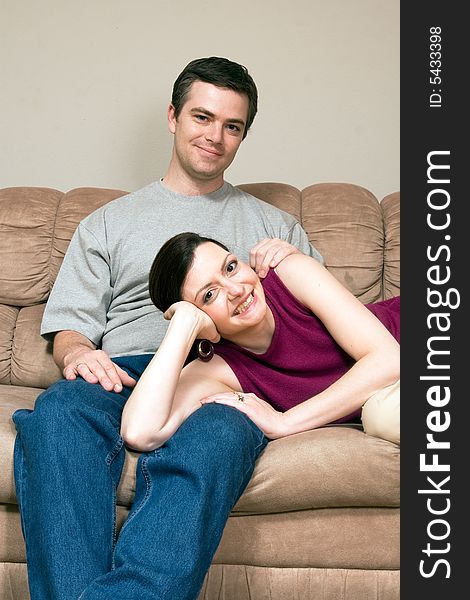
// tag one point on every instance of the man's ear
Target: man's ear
(171, 118)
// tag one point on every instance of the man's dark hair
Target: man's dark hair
(222, 73)
(171, 265)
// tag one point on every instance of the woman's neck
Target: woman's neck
(258, 338)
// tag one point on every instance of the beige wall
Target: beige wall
(85, 85)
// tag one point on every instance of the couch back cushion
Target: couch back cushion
(358, 236)
(36, 225)
(390, 206)
(345, 223)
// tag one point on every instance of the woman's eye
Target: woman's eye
(232, 266)
(208, 296)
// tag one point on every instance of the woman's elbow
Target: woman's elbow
(141, 441)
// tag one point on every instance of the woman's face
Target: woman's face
(228, 290)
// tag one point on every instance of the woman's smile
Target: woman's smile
(245, 305)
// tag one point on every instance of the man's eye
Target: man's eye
(201, 117)
(234, 128)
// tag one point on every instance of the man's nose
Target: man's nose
(214, 133)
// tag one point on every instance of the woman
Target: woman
(300, 339)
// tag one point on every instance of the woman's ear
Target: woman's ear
(205, 350)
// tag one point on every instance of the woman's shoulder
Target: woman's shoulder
(313, 285)
(297, 262)
(298, 269)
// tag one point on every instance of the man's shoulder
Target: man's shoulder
(265, 207)
(124, 205)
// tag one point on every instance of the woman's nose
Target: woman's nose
(234, 290)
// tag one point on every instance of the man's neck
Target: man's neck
(181, 183)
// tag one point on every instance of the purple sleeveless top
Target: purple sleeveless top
(303, 359)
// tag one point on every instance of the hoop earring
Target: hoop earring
(205, 350)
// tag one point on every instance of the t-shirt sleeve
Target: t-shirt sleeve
(298, 238)
(82, 292)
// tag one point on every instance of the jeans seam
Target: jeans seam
(109, 459)
(148, 484)
(115, 451)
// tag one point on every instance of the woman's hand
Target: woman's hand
(268, 419)
(205, 327)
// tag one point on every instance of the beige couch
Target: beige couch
(320, 517)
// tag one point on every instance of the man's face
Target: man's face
(208, 131)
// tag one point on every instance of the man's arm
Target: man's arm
(76, 310)
(76, 355)
(82, 292)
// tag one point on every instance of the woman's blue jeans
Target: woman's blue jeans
(68, 462)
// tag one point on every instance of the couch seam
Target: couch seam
(53, 237)
(10, 350)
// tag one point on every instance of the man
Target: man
(69, 453)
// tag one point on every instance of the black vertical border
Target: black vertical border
(425, 128)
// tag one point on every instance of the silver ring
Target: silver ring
(239, 396)
(79, 364)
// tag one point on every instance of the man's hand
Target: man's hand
(269, 253)
(95, 366)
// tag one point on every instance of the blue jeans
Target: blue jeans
(68, 461)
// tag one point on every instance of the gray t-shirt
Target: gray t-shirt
(101, 290)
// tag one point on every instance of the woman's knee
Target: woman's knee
(381, 414)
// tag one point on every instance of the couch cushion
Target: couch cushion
(333, 466)
(358, 538)
(25, 357)
(345, 223)
(11, 399)
(27, 217)
(36, 225)
(390, 206)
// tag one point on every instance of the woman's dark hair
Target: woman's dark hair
(222, 73)
(171, 265)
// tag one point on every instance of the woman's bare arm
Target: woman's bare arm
(166, 393)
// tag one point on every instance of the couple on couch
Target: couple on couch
(202, 426)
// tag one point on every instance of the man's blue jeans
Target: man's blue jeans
(68, 462)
